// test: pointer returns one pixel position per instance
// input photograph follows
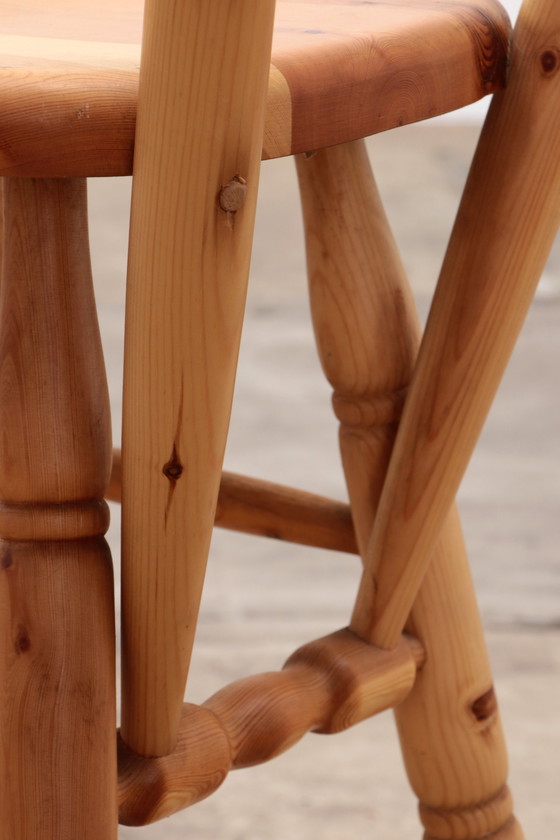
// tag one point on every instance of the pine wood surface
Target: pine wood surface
(367, 333)
(490, 816)
(340, 70)
(57, 716)
(449, 725)
(325, 686)
(504, 230)
(266, 509)
(258, 608)
(363, 315)
(193, 207)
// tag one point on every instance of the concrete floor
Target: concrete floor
(263, 599)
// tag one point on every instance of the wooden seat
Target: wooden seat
(72, 105)
(340, 71)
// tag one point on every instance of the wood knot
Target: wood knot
(549, 61)
(485, 706)
(232, 196)
(22, 642)
(173, 469)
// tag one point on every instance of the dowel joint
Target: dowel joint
(231, 197)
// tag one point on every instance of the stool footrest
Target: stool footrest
(325, 686)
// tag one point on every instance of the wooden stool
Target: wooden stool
(207, 96)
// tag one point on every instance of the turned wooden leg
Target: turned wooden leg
(193, 206)
(449, 724)
(57, 706)
(506, 223)
(367, 333)
(364, 318)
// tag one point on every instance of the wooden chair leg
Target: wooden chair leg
(449, 725)
(57, 707)
(507, 220)
(508, 217)
(193, 205)
(365, 322)
(367, 333)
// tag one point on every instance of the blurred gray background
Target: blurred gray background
(263, 599)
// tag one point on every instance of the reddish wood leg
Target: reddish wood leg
(57, 712)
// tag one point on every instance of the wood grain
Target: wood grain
(449, 725)
(151, 789)
(266, 509)
(341, 70)
(325, 686)
(367, 332)
(446, 592)
(206, 67)
(57, 712)
(363, 315)
(508, 218)
(383, 65)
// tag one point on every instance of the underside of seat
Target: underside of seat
(341, 69)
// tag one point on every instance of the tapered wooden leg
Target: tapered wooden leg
(193, 205)
(367, 333)
(57, 702)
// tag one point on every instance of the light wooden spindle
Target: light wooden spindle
(57, 705)
(198, 142)
(367, 333)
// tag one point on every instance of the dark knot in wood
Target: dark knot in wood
(485, 706)
(549, 61)
(173, 469)
(23, 642)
